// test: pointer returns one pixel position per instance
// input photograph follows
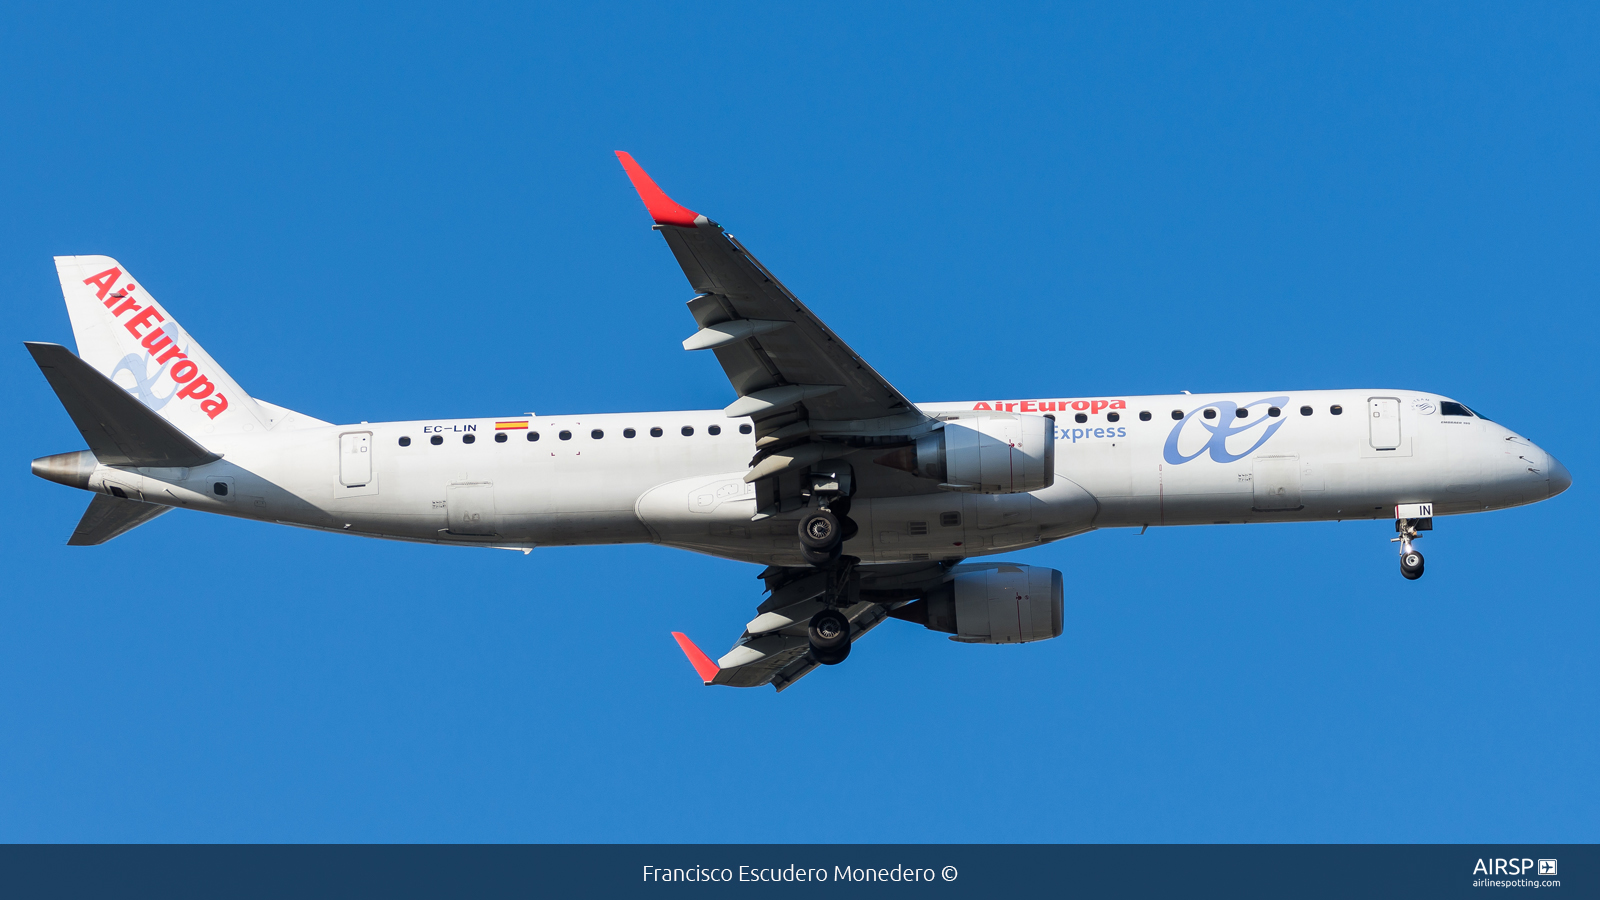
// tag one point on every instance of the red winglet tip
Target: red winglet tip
(663, 209)
(701, 662)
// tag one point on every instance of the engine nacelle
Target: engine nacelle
(998, 453)
(993, 603)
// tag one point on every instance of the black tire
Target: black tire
(819, 530)
(819, 557)
(830, 637)
(1411, 565)
(831, 658)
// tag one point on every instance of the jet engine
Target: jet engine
(992, 603)
(999, 453)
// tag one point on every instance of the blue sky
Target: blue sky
(376, 213)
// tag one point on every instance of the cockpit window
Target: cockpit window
(1452, 408)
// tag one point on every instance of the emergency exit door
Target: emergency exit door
(1383, 418)
(355, 458)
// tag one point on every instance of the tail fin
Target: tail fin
(130, 338)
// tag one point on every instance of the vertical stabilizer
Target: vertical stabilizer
(128, 337)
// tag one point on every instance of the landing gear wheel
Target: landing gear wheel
(1411, 565)
(830, 637)
(819, 557)
(820, 530)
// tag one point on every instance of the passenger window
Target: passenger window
(1274, 412)
(628, 432)
(687, 430)
(220, 489)
(436, 440)
(1336, 409)
(1080, 418)
(1144, 416)
(949, 519)
(1177, 414)
(533, 436)
(1241, 413)
(1451, 408)
(1113, 417)
(1305, 410)
(1210, 414)
(405, 442)
(468, 438)
(655, 432)
(745, 428)
(597, 434)
(715, 429)
(500, 437)
(565, 435)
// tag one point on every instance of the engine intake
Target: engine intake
(993, 454)
(992, 603)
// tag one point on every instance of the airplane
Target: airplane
(861, 505)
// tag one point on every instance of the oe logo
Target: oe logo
(1227, 425)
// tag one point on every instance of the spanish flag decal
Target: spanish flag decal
(510, 426)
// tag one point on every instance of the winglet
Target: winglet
(701, 662)
(663, 209)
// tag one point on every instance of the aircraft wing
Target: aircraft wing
(775, 649)
(796, 379)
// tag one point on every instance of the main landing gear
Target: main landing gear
(1410, 559)
(824, 527)
(830, 637)
(826, 523)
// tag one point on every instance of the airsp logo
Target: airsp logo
(1547, 867)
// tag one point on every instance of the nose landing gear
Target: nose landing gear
(1408, 525)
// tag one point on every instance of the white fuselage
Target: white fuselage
(687, 490)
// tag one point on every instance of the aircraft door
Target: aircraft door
(355, 458)
(1383, 415)
(1276, 482)
(469, 508)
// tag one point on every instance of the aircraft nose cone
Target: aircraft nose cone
(1560, 478)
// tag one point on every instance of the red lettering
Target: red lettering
(154, 346)
(127, 304)
(983, 405)
(215, 405)
(171, 352)
(143, 320)
(194, 388)
(1119, 404)
(187, 368)
(1099, 405)
(104, 281)
(1080, 404)
(1030, 406)
(1011, 407)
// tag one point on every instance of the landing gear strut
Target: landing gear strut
(1410, 559)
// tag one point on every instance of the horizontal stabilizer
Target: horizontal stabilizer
(108, 517)
(118, 428)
